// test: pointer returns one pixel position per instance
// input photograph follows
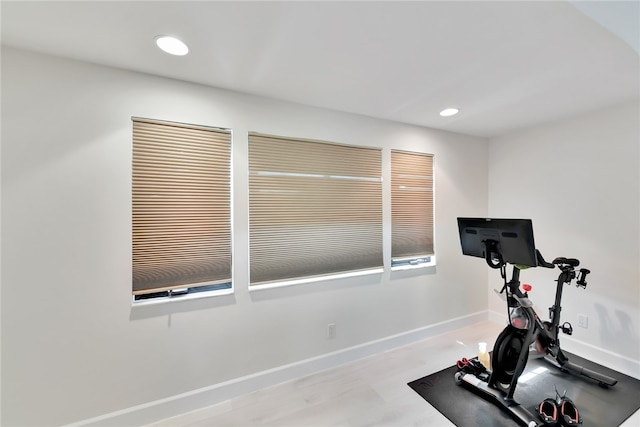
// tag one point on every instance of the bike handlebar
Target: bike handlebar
(572, 262)
(542, 262)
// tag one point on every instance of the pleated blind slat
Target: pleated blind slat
(181, 205)
(411, 204)
(315, 208)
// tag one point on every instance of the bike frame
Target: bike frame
(538, 330)
(510, 241)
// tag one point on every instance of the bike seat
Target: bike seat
(568, 261)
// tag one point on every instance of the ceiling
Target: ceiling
(506, 65)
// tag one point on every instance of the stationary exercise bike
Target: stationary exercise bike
(501, 242)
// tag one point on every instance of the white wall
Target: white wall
(72, 345)
(579, 181)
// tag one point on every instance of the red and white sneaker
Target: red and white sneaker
(569, 415)
(548, 412)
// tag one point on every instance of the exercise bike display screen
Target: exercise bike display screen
(498, 240)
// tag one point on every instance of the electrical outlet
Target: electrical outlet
(583, 321)
(331, 331)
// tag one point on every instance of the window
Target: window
(411, 209)
(315, 208)
(181, 209)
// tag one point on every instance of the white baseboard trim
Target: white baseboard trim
(198, 399)
(599, 355)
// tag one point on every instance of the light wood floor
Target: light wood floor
(370, 392)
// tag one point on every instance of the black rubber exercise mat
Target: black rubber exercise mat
(599, 406)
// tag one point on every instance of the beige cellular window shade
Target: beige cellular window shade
(315, 208)
(411, 206)
(181, 206)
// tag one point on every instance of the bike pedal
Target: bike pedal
(567, 328)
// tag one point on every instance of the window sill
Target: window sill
(314, 279)
(183, 297)
(413, 263)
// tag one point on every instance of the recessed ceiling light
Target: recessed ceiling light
(449, 112)
(172, 45)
